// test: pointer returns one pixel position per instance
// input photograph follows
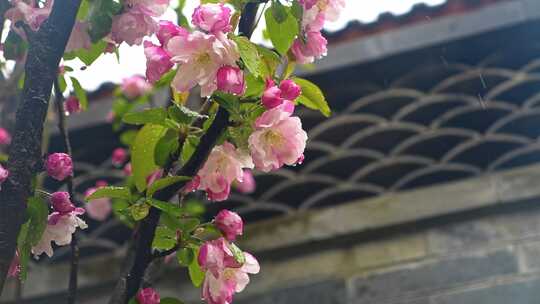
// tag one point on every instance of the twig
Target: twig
(44, 54)
(74, 262)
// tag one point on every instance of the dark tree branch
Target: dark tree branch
(44, 54)
(62, 127)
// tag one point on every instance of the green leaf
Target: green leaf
(238, 254)
(255, 85)
(80, 93)
(164, 238)
(31, 232)
(195, 272)
(155, 116)
(249, 54)
(228, 101)
(164, 183)
(142, 153)
(269, 61)
(281, 32)
(312, 97)
(165, 147)
(187, 225)
(194, 207)
(88, 56)
(14, 46)
(139, 211)
(128, 137)
(100, 18)
(84, 8)
(183, 115)
(189, 147)
(166, 79)
(167, 208)
(110, 192)
(185, 256)
(170, 301)
(62, 83)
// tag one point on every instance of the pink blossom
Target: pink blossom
(79, 39)
(224, 276)
(271, 97)
(128, 169)
(289, 90)
(223, 166)
(132, 26)
(231, 80)
(212, 18)
(15, 266)
(31, 14)
(61, 202)
(154, 8)
(59, 230)
(158, 62)
(98, 209)
(150, 179)
(229, 223)
(148, 296)
(278, 138)
(59, 166)
(167, 30)
(135, 86)
(72, 105)
(4, 174)
(248, 184)
(330, 9)
(314, 47)
(119, 157)
(308, 3)
(5, 137)
(200, 56)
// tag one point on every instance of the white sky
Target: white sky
(132, 60)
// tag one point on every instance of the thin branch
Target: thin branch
(64, 133)
(25, 159)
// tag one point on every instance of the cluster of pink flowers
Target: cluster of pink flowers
(225, 276)
(98, 209)
(137, 20)
(61, 224)
(312, 44)
(278, 139)
(200, 54)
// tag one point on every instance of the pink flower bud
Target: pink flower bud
(247, 185)
(101, 183)
(308, 3)
(290, 90)
(158, 61)
(98, 209)
(271, 97)
(61, 202)
(5, 137)
(119, 157)
(167, 30)
(231, 80)
(212, 18)
(148, 296)
(59, 166)
(72, 105)
(230, 224)
(15, 266)
(315, 47)
(4, 174)
(135, 86)
(128, 170)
